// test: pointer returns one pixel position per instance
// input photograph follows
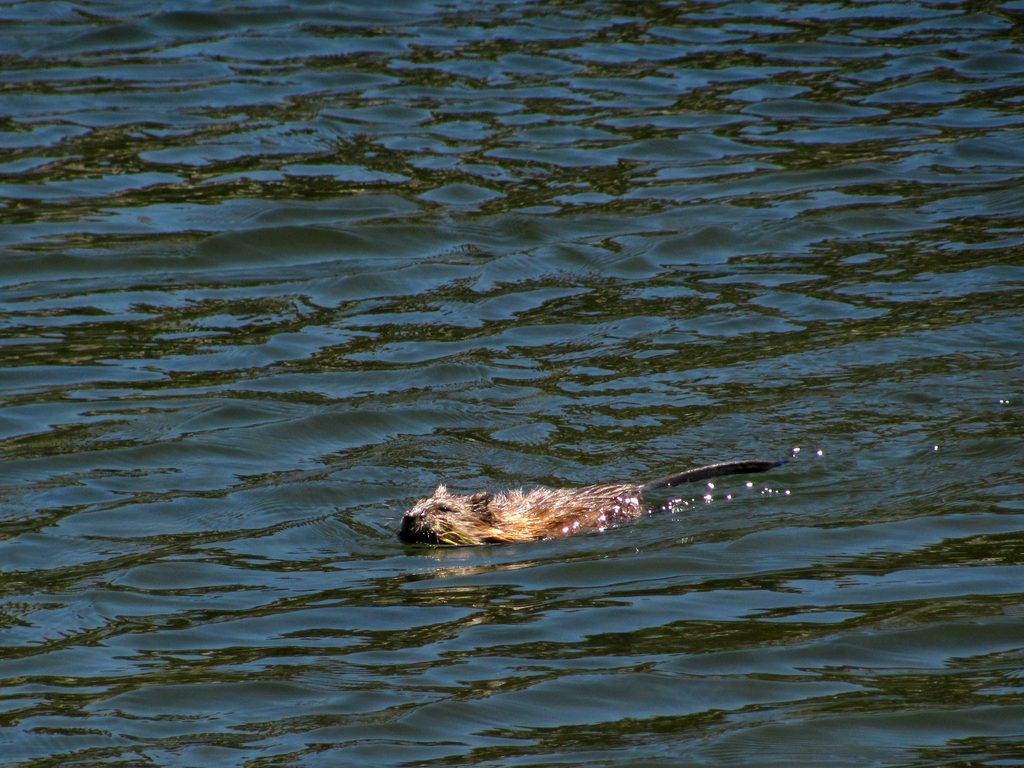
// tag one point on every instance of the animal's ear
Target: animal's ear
(440, 490)
(481, 499)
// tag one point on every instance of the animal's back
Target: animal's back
(544, 513)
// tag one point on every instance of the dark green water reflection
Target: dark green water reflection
(270, 273)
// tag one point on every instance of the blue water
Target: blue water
(268, 274)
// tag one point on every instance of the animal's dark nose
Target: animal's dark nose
(409, 525)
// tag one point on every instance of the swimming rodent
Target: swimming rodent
(543, 513)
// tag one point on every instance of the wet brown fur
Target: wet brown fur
(542, 513)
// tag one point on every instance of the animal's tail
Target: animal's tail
(711, 470)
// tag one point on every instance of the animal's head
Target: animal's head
(445, 518)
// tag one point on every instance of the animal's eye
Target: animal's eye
(443, 508)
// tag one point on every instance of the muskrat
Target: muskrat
(543, 513)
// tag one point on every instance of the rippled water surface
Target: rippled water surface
(268, 273)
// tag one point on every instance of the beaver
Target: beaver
(543, 513)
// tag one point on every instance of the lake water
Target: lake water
(270, 273)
